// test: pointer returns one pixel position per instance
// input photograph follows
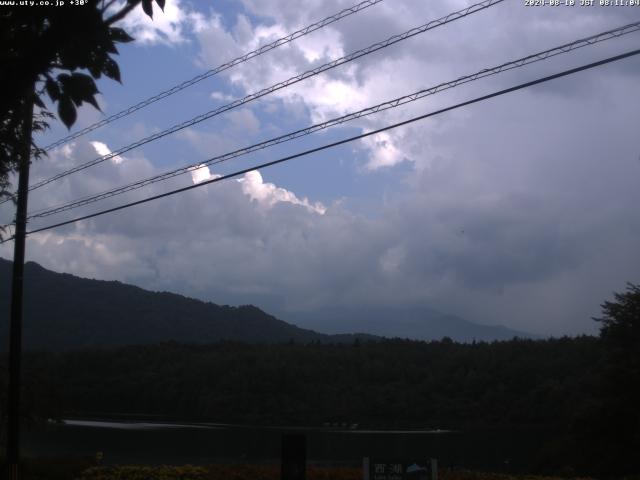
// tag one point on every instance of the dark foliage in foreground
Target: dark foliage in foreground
(60, 52)
(607, 427)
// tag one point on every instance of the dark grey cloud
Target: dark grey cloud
(520, 210)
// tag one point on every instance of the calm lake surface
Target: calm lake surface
(145, 442)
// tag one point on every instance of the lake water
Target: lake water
(145, 442)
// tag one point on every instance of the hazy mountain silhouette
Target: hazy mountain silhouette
(420, 323)
(63, 311)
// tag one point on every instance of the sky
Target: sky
(521, 210)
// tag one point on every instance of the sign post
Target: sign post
(294, 456)
(17, 281)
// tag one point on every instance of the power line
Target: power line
(536, 57)
(341, 142)
(221, 68)
(254, 96)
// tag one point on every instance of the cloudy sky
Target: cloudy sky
(521, 210)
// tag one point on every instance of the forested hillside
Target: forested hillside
(562, 386)
(388, 384)
(63, 311)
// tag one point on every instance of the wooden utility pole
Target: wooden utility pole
(15, 340)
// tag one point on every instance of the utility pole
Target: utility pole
(15, 341)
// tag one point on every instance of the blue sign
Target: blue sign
(382, 469)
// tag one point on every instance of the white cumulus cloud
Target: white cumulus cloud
(167, 27)
(269, 194)
(102, 149)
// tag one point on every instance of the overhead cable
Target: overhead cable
(278, 86)
(214, 71)
(536, 57)
(340, 142)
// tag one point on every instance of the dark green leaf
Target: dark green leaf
(88, 89)
(160, 4)
(53, 90)
(97, 60)
(119, 35)
(79, 88)
(67, 111)
(38, 102)
(64, 78)
(147, 6)
(84, 83)
(72, 57)
(110, 47)
(111, 69)
(92, 100)
(94, 70)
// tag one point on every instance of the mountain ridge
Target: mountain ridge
(63, 311)
(418, 323)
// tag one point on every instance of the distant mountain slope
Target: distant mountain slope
(64, 311)
(405, 322)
